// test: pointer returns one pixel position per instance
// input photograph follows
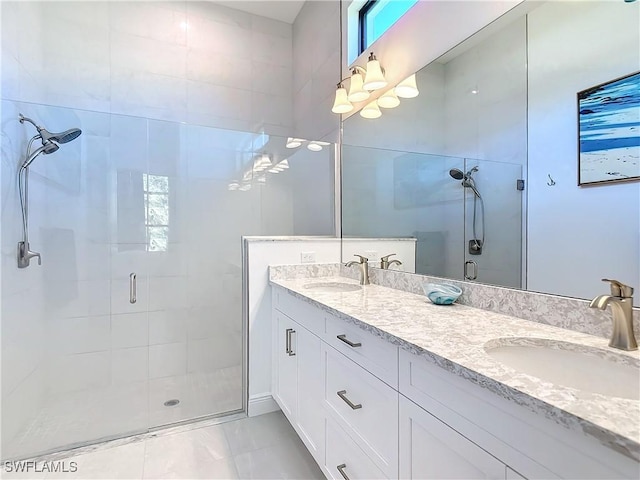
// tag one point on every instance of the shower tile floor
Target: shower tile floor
(263, 447)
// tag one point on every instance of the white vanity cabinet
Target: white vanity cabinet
(431, 450)
(298, 380)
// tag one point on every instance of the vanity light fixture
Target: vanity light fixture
(407, 88)
(284, 164)
(316, 145)
(374, 78)
(389, 99)
(357, 93)
(341, 104)
(359, 88)
(371, 110)
(234, 185)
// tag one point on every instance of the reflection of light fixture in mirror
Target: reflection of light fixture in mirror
(245, 187)
(474, 91)
(356, 92)
(374, 79)
(371, 110)
(262, 179)
(284, 164)
(341, 104)
(294, 142)
(275, 169)
(234, 185)
(262, 163)
(316, 145)
(388, 99)
(407, 88)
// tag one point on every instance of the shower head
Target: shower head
(467, 178)
(45, 149)
(46, 135)
(62, 137)
(456, 174)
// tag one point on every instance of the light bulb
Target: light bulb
(388, 99)
(341, 103)
(356, 92)
(407, 88)
(374, 79)
(371, 110)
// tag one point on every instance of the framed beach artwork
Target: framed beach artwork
(609, 132)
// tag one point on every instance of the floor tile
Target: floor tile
(121, 462)
(193, 454)
(287, 459)
(258, 432)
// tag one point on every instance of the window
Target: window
(376, 17)
(156, 212)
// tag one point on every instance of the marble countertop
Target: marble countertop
(454, 337)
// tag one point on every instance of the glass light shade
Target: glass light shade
(356, 92)
(284, 164)
(407, 88)
(262, 179)
(275, 169)
(314, 147)
(245, 187)
(341, 103)
(371, 110)
(294, 142)
(389, 99)
(234, 186)
(265, 160)
(374, 79)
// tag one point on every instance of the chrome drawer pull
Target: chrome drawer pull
(343, 395)
(341, 470)
(343, 338)
(288, 345)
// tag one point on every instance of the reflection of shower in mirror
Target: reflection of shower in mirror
(475, 244)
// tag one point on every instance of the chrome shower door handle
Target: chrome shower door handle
(474, 271)
(341, 468)
(133, 288)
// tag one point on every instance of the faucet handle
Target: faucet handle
(362, 259)
(386, 257)
(619, 289)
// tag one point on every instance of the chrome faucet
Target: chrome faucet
(621, 301)
(385, 263)
(364, 268)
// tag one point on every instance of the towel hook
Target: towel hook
(551, 181)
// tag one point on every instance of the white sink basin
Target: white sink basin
(572, 365)
(333, 287)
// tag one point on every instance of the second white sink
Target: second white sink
(571, 365)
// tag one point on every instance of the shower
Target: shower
(476, 244)
(50, 143)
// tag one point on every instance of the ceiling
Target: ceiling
(283, 10)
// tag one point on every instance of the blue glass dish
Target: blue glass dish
(441, 293)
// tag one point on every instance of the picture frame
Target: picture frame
(609, 132)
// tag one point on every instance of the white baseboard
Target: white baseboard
(261, 404)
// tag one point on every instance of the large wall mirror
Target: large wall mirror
(496, 114)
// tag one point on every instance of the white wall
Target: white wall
(577, 235)
(184, 61)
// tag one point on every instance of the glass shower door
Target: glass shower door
(493, 235)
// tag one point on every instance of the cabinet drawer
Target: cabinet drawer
(374, 354)
(364, 406)
(343, 452)
(312, 318)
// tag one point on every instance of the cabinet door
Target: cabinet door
(430, 449)
(310, 416)
(286, 368)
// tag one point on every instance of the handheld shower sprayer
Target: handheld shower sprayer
(467, 181)
(50, 143)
